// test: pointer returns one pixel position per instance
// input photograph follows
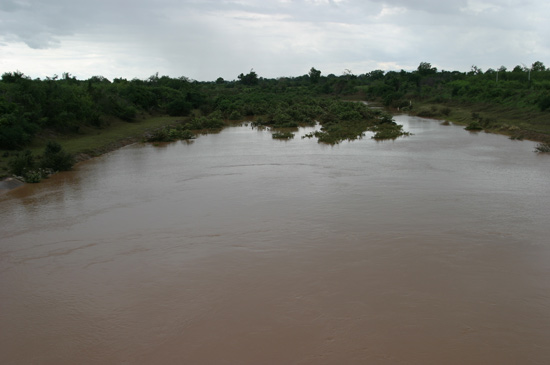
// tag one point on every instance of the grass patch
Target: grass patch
(518, 123)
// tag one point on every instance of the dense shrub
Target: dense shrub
(55, 158)
(22, 163)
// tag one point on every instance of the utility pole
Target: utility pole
(529, 72)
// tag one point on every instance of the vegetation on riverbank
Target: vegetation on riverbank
(515, 103)
(89, 117)
(53, 159)
(282, 135)
(543, 148)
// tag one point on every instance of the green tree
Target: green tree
(538, 66)
(314, 75)
(425, 68)
(249, 79)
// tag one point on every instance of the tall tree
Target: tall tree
(425, 68)
(314, 75)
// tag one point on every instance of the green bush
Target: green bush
(25, 166)
(55, 158)
(22, 163)
(235, 115)
(179, 107)
(474, 126)
(446, 111)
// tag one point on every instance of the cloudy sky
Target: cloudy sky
(207, 39)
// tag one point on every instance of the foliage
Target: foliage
(55, 158)
(388, 131)
(314, 75)
(22, 163)
(474, 126)
(170, 134)
(212, 121)
(65, 105)
(249, 79)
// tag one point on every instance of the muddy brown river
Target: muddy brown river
(240, 249)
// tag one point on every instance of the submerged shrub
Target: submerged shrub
(34, 176)
(474, 126)
(282, 135)
(543, 147)
(388, 131)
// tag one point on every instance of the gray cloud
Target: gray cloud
(207, 39)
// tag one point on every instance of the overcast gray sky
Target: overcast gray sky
(204, 40)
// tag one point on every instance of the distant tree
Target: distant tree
(249, 79)
(314, 75)
(474, 70)
(538, 66)
(518, 68)
(220, 80)
(375, 75)
(425, 68)
(153, 79)
(11, 77)
(99, 79)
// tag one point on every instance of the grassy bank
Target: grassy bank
(514, 122)
(92, 142)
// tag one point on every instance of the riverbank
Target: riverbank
(9, 183)
(92, 142)
(500, 119)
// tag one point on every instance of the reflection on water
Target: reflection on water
(238, 248)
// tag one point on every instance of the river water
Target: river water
(237, 248)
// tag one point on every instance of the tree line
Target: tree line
(67, 105)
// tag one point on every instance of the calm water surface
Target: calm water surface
(240, 249)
